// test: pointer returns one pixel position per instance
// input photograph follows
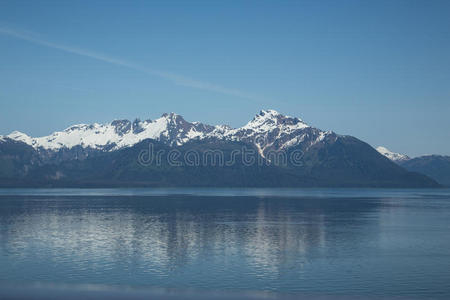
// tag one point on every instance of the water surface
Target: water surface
(347, 242)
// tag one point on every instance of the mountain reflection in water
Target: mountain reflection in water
(358, 245)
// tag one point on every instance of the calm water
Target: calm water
(317, 241)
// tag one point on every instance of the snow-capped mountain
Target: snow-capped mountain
(267, 130)
(114, 155)
(396, 157)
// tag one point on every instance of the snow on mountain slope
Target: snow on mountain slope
(397, 157)
(267, 130)
(268, 120)
(117, 134)
(270, 130)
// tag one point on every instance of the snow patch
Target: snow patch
(20, 137)
(392, 155)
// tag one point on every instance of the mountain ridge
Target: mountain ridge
(286, 151)
(170, 128)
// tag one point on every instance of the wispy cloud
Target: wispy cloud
(175, 78)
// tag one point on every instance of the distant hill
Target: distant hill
(434, 166)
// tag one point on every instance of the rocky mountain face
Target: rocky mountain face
(284, 150)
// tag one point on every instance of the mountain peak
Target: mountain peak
(270, 112)
(271, 118)
(170, 115)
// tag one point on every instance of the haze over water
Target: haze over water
(348, 242)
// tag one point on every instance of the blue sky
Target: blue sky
(378, 70)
